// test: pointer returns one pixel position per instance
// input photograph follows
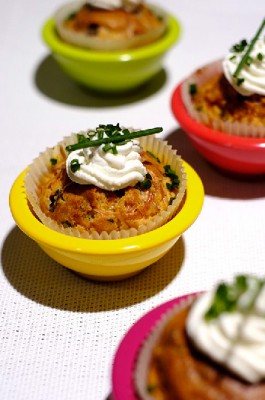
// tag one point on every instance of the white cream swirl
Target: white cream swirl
(235, 340)
(107, 170)
(128, 5)
(252, 75)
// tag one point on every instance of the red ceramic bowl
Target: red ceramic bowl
(240, 155)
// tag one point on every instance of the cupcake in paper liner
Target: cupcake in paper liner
(108, 191)
(209, 346)
(229, 95)
(146, 381)
(110, 26)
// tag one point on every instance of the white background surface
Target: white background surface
(58, 332)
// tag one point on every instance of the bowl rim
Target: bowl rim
(193, 127)
(32, 227)
(156, 48)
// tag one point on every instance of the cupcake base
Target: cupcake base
(160, 149)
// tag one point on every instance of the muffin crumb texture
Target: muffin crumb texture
(89, 208)
(220, 101)
(114, 24)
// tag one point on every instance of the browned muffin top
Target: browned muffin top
(117, 23)
(220, 101)
(89, 208)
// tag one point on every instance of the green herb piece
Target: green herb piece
(173, 178)
(169, 171)
(122, 143)
(70, 16)
(239, 81)
(228, 297)
(249, 61)
(151, 388)
(174, 184)
(54, 198)
(66, 224)
(80, 138)
(147, 182)
(91, 133)
(53, 161)
(114, 135)
(248, 51)
(171, 200)
(100, 134)
(74, 165)
(260, 56)
(239, 47)
(110, 147)
(107, 147)
(152, 155)
(192, 89)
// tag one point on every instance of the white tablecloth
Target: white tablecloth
(59, 332)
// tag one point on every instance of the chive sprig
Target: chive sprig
(244, 59)
(228, 297)
(121, 136)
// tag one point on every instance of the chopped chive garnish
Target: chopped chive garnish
(54, 198)
(74, 165)
(239, 295)
(260, 56)
(171, 200)
(239, 81)
(169, 171)
(239, 47)
(173, 178)
(71, 16)
(151, 388)
(110, 147)
(53, 161)
(192, 89)
(114, 135)
(146, 183)
(155, 157)
(248, 51)
(249, 61)
(80, 138)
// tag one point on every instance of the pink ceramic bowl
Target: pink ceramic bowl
(240, 155)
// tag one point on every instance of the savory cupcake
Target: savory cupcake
(210, 347)
(229, 95)
(108, 25)
(106, 183)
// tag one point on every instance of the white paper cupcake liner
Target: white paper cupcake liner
(40, 167)
(201, 76)
(143, 359)
(81, 39)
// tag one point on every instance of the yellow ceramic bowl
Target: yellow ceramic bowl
(103, 259)
(111, 71)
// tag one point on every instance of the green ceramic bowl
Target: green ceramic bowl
(113, 71)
